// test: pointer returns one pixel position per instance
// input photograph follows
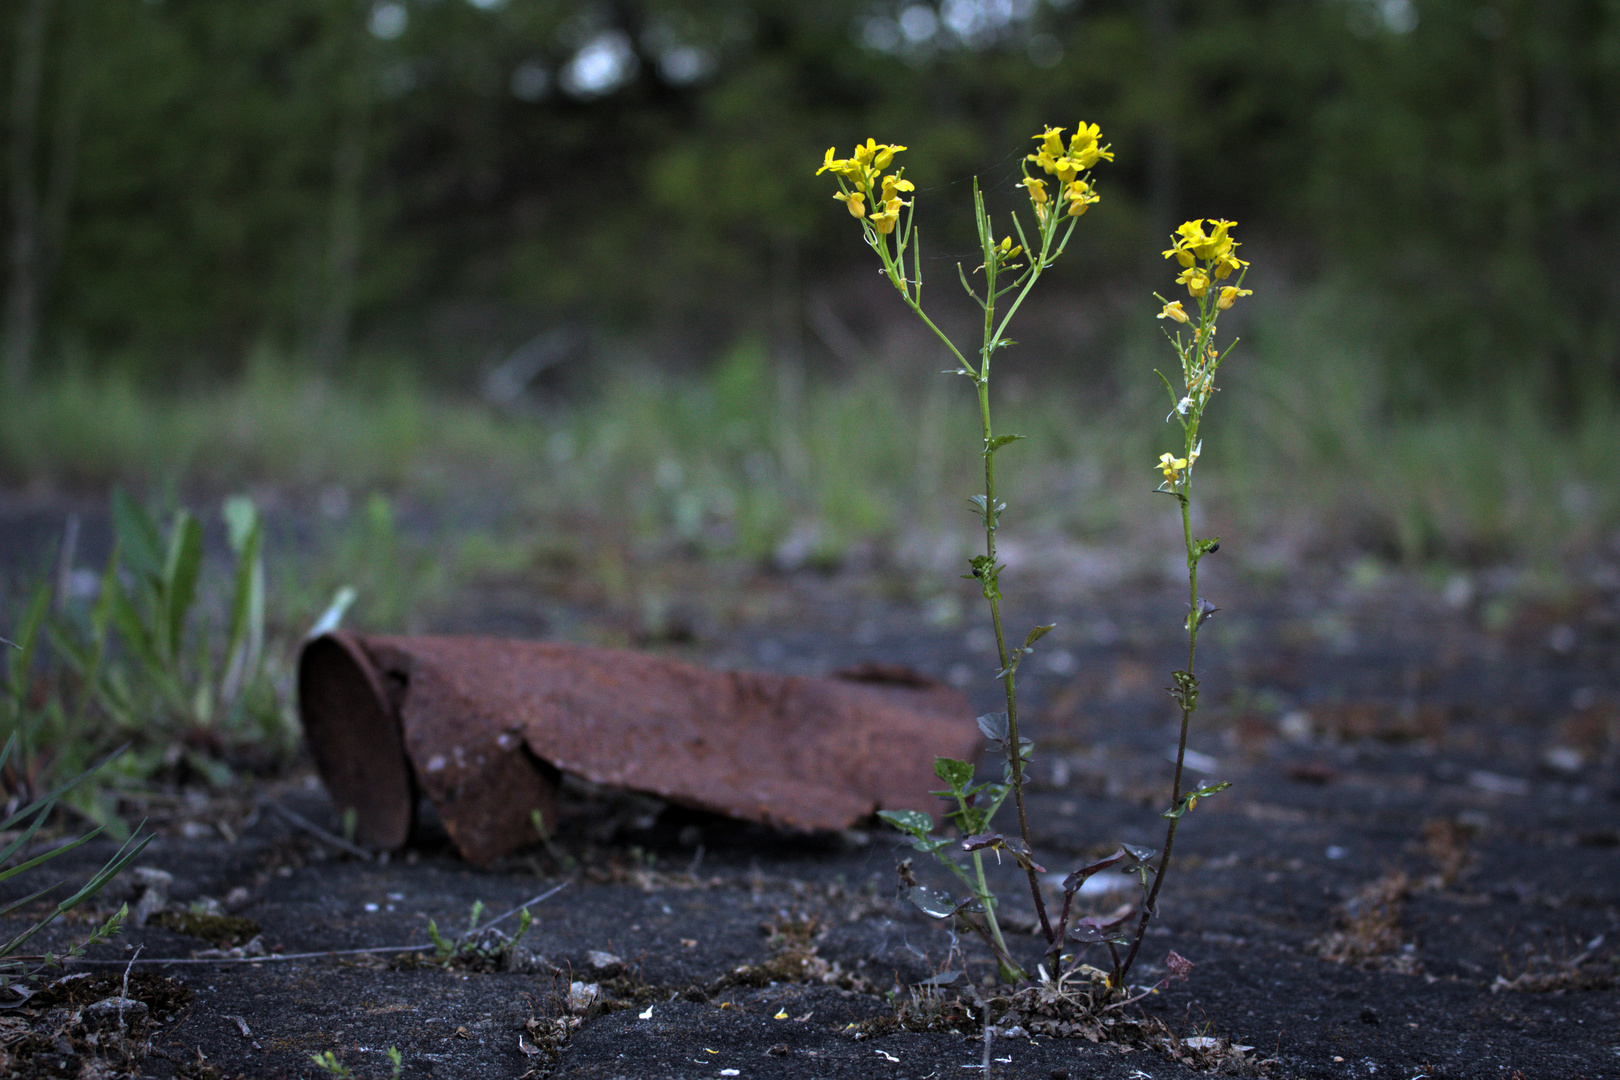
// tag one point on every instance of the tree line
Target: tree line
(190, 179)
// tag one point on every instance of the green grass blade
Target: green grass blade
(127, 621)
(60, 789)
(136, 535)
(29, 899)
(27, 834)
(20, 661)
(180, 571)
(245, 644)
(117, 863)
(51, 854)
(124, 856)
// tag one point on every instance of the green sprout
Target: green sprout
(333, 1066)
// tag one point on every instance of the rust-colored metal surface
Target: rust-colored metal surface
(355, 739)
(487, 724)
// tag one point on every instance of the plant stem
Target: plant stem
(1009, 967)
(1015, 757)
(1148, 908)
(1189, 700)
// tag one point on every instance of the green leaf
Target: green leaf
(241, 521)
(440, 944)
(993, 726)
(333, 615)
(137, 536)
(931, 902)
(29, 899)
(915, 822)
(27, 834)
(125, 855)
(26, 636)
(1039, 632)
(958, 774)
(245, 644)
(1189, 800)
(1175, 399)
(59, 790)
(1001, 440)
(113, 866)
(180, 571)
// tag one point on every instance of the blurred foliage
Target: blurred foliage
(404, 492)
(138, 662)
(444, 176)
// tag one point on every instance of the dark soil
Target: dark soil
(1415, 873)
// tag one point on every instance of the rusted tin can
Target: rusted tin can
(484, 728)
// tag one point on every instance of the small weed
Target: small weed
(330, 1063)
(140, 663)
(18, 969)
(480, 947)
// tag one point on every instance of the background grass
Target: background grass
(750, 460)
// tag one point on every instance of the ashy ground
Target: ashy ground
(1416, 872)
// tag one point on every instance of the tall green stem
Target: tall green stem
(1009, 967)
(1189, 698)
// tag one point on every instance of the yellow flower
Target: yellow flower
(863, 167)
(1173, 310)
(1083, 148)
(847, 168)
(1036, 189)
(1007, 251)
(892, 184)
(1171, 466)
(877, 155)
(1080, 196)
(1226, 263)
(1216, 244)
(855, 201)
(1229, 295)
(836, 165)
(884, 222)
(1195, 279)
(1178, 244)
(1083, 152)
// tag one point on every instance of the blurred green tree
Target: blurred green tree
(192, 177)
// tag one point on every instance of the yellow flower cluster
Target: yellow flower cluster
(1206, 258)
(1066, 163)
(863, 171)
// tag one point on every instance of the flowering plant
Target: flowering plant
(874, 195)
